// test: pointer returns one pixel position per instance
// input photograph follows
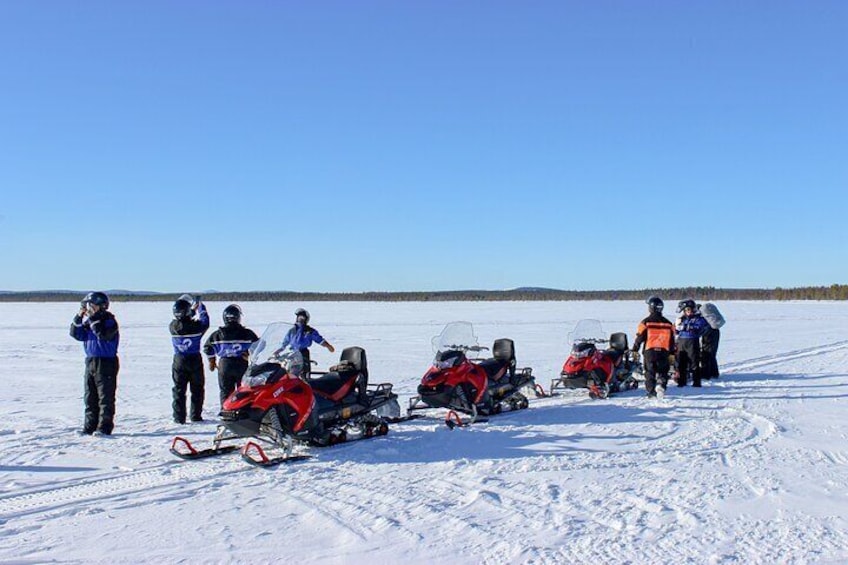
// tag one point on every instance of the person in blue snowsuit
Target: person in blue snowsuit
(227, 350)
(187, 328)
(97, 329)
(301, 336)
(690, 327)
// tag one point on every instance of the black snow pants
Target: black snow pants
(656, 369)
(709, 349)
(688, 354)
(187, 372)
(101, 384)
(307, 363)
(230, 372)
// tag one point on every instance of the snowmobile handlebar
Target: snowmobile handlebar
(590, 340)
(464, 348)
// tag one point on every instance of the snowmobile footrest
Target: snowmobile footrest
(264, 460)
(406, 418)
(193, 453)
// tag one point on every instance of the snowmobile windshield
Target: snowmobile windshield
(587, 331)
(267, 353)
(457, 336)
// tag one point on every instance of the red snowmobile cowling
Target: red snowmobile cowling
(598, 359)
(463, 372)
(288, 390)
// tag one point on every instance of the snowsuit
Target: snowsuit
(657, 334)
(100, 337)
(689, 332)
(187, 368)
(229, 344)
(709, 348)
(300, 338)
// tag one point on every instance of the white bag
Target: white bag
(712, 315)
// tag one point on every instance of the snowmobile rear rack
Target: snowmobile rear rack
(265, 461)
(193, 453)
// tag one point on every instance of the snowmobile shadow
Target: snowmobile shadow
(44, 469)
(523, 434)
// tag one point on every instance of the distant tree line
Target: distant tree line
(701, 293)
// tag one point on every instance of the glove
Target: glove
(213, 364)
(635, 355)
(671, 359)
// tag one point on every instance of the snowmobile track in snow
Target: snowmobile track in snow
(757, 362)
(103, 488)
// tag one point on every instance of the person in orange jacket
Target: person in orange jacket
(656, 333)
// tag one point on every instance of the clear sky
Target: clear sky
(390, 146)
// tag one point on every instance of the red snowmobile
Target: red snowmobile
(472, 386)
(602, 371)
(274, 404)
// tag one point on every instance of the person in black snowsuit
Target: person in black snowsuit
(97, 329)
(709, 350)
(187, 328)
(227, 349)
(690, 327)
(657, 334)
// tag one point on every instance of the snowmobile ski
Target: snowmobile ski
(193, 453)
(453, 420)
(263, 460)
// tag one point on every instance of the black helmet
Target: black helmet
(96, 298)
(655, 305)
(684, 304)
(232, 314)
(182, 309)
(302, 313)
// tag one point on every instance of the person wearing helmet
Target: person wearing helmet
(187, 328)
(301, 336)
(656, 333)
(710, 340)
(227, 348)
(690, 327)
(97, 329)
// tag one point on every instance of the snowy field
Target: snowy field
(753, 468)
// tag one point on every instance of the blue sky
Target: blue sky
(357, 146)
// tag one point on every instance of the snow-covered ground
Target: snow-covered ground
(751, 468)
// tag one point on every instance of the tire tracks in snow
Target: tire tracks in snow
(103, 488)
(777, 358)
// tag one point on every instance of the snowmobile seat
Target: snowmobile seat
(356, 355)
(330, 385)
(618, 341)
(495, 368)
(504, 350)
